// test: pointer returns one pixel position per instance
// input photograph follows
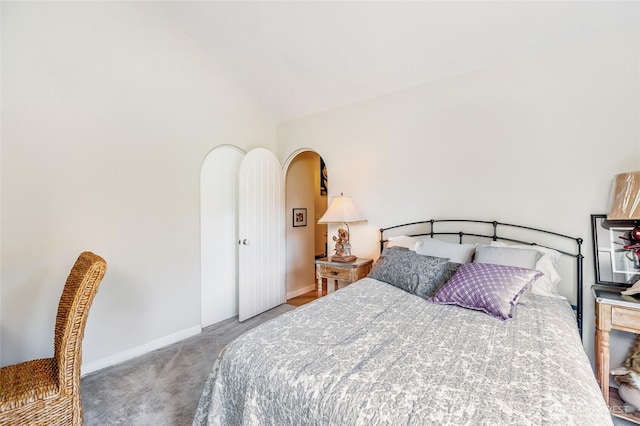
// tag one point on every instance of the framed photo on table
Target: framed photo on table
(617, 261)
(299, 217)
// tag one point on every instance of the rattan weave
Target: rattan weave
(47, 391)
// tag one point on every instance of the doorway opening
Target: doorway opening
(306, 187)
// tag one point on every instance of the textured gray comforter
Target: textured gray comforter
(374, 354)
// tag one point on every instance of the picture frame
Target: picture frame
(324, 179)
(299, 217)
(614, 264)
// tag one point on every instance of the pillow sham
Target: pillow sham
(490, 288)
(546, 285)
(412, 243)
(457, 253)
(522, 258)
(414, 273)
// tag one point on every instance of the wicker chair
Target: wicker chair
(47, 391)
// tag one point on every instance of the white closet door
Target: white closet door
(262, 237)
(219, 234)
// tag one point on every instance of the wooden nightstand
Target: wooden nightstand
(617, 312)
(337, 271)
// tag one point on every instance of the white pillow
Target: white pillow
(411, 243)
(547, 285)
(457, 253)
(497, 255)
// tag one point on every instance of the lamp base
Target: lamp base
(343, 259)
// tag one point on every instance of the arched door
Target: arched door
(219, 234)
(262, 236)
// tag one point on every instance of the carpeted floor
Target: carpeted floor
(164, 386)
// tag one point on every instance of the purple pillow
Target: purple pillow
(494, 289)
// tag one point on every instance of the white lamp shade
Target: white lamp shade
(342, 210)
(625, 197)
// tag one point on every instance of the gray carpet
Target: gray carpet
(164, 386)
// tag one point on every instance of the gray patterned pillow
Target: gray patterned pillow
(417, 274)
(449, 270)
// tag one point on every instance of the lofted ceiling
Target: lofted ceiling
(299, 58)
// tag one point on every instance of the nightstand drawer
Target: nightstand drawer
(624, 318)
(337, 273)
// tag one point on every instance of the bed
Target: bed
(377, 352)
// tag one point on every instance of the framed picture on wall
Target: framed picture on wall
(299, 217)
(324, 179)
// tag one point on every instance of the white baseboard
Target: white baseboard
(300, 291)
(90, 367)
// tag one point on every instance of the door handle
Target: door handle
(245, 242)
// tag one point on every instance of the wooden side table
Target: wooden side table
(617, 312)
(338, 271)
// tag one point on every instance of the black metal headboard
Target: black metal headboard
(427, 228)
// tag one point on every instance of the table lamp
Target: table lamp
(625, 197)
(625, 206)
(342, 210)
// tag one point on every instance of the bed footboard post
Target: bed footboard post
(381, 240)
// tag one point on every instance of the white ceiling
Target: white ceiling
(298, 58)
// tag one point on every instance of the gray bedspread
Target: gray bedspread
(373, 354)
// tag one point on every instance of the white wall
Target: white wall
(534, 142)
(300, 193)
(107, 114)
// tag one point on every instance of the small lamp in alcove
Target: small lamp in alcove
(342, 210)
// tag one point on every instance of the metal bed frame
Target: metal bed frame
(494, 236)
